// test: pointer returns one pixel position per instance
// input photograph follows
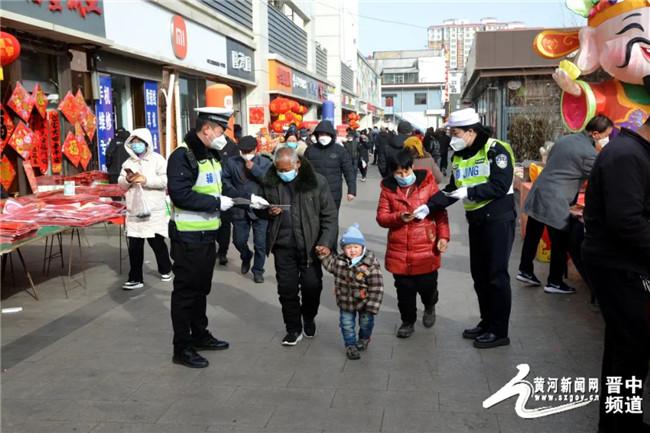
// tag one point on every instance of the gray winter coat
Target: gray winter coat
(569, 165)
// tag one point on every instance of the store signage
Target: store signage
(241, 60)
(82, 15)
(179, 37)
(151, 112)
(104, 112)
(284, 79)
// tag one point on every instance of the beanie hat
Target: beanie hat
(353, 236)
(414, 143)
(404, 127)
(247, 144)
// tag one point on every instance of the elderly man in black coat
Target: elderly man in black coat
(332, 161)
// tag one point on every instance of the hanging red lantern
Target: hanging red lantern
(294, 106)
(277, 126)
(289, 116)
(284, 106)
(9, 50)
(274, 106)
(302, 110)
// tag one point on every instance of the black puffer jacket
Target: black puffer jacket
(333, 162)
(315, 213)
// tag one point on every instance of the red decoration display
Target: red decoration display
(40, 152)
(22, 140)
(21, 102)
(69, 108)
(7, 173)
(7, 127)
(39, 99)
(71, 149)
(256, 115)
(9, 48)
(286, 113)
(84, 152)
(54, 140)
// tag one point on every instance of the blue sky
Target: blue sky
(375, 35)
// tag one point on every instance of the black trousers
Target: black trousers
(444, 160)
(193, 269)
(408, 287)
(241, 233)
(559, 249)
(223, 235)
(363, 170)
(136, 256)
(624, 304)
(490, 245)
(299, 287)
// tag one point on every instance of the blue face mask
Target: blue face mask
(287, 176)
(355, 261)
(405, 181)
(292, 144)
(138, 148)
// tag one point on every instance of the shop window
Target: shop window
(420, 98)
(39, 68)
(192, 95)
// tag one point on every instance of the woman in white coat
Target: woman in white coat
(145, 170)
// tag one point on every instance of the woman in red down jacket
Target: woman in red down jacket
(416, 239)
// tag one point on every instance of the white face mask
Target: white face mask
(247, 156)
(325, 140)
(219, 142)
(457, 144)
(603, 142)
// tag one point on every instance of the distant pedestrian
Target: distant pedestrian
(422, 159)
(359, 289)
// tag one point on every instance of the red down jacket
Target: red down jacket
(412, 247)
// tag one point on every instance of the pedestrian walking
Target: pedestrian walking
(616, 254)
(333, 162)
(116, 154)
(416, 239)
(364, 157)
(242, 177)
(555, 190)
(303, 220)
(194, 174)
(358, 287)
(483, 175)
(443, 140)
(226, 151)
(394, 144)
(144, 176)
(422, 159)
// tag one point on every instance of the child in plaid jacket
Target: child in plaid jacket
(359, 288)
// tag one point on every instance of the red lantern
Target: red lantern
(9, 48)
(277, 126)
(289, 116)
(273, 106)
(283, 106)
(303, 110)
(294, 106)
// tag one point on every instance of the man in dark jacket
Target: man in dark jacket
(242, 177)
(226, 151)
(332, 161)
(116, 154)
(616, 255)
(306, 223)
(194, 185)
(394, 145)
(380, 146)
(443, 140)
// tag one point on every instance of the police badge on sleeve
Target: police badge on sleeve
(502, 161)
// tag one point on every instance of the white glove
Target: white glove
(258, 202)
(421, 212)
(225, 203)
(459, 194)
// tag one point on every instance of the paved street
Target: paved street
(101, 361)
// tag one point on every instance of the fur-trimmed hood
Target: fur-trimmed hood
(305, 181)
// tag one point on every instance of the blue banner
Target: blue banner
(104, 112)
(151, 112)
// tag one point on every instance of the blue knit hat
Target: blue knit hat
(353, 236)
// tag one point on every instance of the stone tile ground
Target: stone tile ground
(100, 361)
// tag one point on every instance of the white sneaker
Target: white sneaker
(131, 285)
(166, 277)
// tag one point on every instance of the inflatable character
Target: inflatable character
(616, 39)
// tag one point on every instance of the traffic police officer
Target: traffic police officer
(194, 185)
(483, 174)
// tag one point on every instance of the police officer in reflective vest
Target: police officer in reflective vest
(194, 184)
(483, 174)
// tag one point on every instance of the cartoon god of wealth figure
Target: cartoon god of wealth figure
(616, 39)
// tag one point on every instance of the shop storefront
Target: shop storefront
(47, 92)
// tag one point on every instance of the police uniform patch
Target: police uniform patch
(502, 161)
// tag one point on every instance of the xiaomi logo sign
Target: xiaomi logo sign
(179, 37)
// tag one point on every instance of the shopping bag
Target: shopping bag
(139, 205)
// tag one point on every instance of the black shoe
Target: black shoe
(528, 278)
(429, 317)
(189, 358)
(245, 266)
(405, 331)
(210, 343)
(223, 260)
(309, 329)
(489, 340)
(258, 277)
(352, 352)
(292, 338)
(561, 289)
(472, 333)
(362, 344)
